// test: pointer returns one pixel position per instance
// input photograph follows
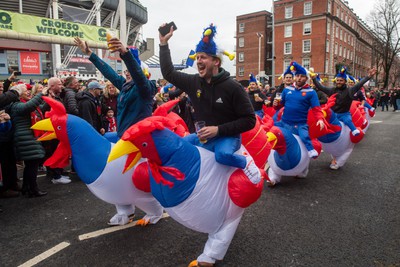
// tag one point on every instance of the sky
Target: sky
(191, 17)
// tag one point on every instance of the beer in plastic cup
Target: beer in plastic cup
(109, 36)
(198, 125)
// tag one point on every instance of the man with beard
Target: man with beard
(297, 100)
(257, 98)
(344, 96)
(217, 99)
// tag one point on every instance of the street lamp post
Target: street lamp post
(259, 53)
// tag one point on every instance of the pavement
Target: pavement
(347, 217)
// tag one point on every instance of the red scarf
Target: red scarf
(36, 116)
(112, 124)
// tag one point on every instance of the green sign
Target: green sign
(33, 25)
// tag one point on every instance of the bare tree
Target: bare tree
(385, 19)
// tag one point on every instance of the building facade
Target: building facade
(323, 34)
(254, 46)
(38, 58)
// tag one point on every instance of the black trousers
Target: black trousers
(30, 174)
(8, 166)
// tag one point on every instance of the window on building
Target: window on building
(307, 8)
(241, 57)
(288, 12)
(327, 46)
(241, 27)
(241, 71)
(337, 11)
(306, 46)
(286, 64)
(288, 48)
(326, 65)
(340, 50)
(288, 30)
(241, 41)
(307, 27)
(306, 62)
(348, 53)
(341, 34)
(344, 52)
(337, 32)
(329, 6)
(351, 55)
(336, 48)
(328, 27)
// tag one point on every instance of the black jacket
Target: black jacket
(257, 105)
(345, 95)
(89, 109)
(8, 97)
(222, 102)
(69, 102)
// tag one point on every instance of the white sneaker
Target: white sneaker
(65, 177)
(252, 171)
(334, 166)
(313, 153)
(61, 180)
(355, 132)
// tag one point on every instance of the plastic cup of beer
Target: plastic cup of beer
(199, 125)
(255, 96)
(278, 97)
(109, 35)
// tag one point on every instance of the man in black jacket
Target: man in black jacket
(344, 96)
(217, 99)
(89, 105)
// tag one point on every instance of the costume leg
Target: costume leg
(346, 119)
(123, 214)
(225, 149)
(218, 242)
(304, 136)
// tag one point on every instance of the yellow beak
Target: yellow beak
(45, 125)
(271, 138)
(122, 148)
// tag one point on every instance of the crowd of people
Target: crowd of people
(112, 107)
(227, 108)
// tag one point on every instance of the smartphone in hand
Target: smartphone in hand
(165, 29)
(17, 73)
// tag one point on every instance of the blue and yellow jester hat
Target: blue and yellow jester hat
(287, 71)
(252, 79)
(342, 74)
(351, 78)
(135, 52)
(208, 46)
(298, 69)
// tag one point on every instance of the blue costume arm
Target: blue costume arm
(107, 71)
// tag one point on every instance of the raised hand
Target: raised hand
(83, 46)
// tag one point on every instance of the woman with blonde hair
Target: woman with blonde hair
(109, 98)
(36, 89)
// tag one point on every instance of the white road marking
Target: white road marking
(374, 122)
(111, 229)
(45, 254)
(63, 245)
